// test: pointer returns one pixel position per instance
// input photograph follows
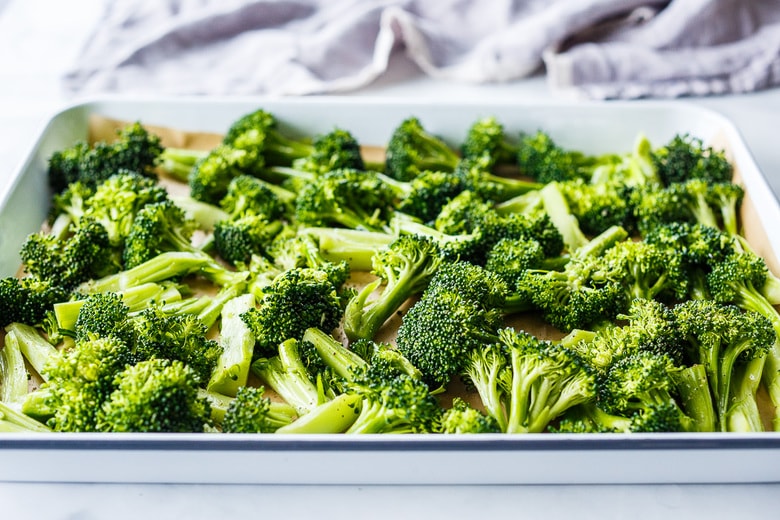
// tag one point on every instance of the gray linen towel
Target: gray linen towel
(596, 48)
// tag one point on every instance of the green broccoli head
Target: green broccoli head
(295, 301)
(411, 149)
(253, 412)
(28, 300)
(135, 149)
(157, 395)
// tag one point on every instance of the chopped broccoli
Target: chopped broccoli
(253, 412)
(403, 269)
(28, 300)
(573, 297)
(296, 300)
(85, 255)
(525, 383)
(685, 157)
(157, 395)
(348, 198)
(486, 140)
(447, 323)
(463, 418)
(259, 133)
(411, 150)
(475, 175)
(721, 337)
(334, 150)
(286, 374)
(238, 342)
(237, 240)
(135, 149)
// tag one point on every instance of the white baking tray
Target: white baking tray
(388, 459)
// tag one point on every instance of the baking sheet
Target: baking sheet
(415, 459)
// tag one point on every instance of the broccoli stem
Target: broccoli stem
(560, 214)
(13, 421)
(162, 267)
(136, 298)
(238, 344)
(693, 388)
(219, 404)
(744, 415)
(334, 416)
(356, 247)
(342, 360)
(288, 377)
(178, 162)
(205, 214)
(34, 347)
(13, 373)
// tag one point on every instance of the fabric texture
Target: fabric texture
(600, 49)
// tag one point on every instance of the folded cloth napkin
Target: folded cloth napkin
(597, 48)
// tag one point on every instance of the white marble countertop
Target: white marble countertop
(35, 51)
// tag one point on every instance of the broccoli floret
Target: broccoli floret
(100, 315)
(598, 206)
(685, 157)
(258, 132)
(79, 381)
(176, 337)
(67, 262)
(639, 382)
(28, 300)
(114, 203)
(740, 279)
(238, 239)
(393, 404)
(424, 196)
(302, 250)
(250, 195)
(253, 412)
(574, 297)
(524, 383)
(645, 271)
(334, 150)
(135, 149)
(475, 176)
(487, 141)
(403, 270)
(722, 336)
(469, 214)
(157, 228)
(510, 258)
(589, 418)
(348, 198)
(454, 317)
(385, 357)
(463, 418)
(157, 395)
(210, 176)
(545, 161)
(296, 300)
(411, 149)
